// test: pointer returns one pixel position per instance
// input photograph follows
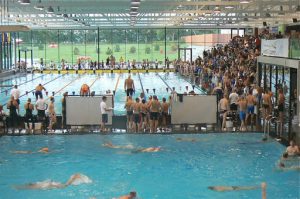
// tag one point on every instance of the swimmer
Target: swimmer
(148, 150)
(42, 150)
(110, 145)
(293, 149)
(285, 157)
(232, 188)
(187, 140)
(75, 179)
(281, 166)
(131, 195)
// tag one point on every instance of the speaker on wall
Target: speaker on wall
(295, 20)
(265, 23)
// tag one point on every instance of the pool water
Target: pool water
(181, 170)
(100, 83)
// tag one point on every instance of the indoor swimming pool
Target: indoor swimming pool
(182, 169)
(149, 83)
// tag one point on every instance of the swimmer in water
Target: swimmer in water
(75, 179)
(187, 140)
(110, 145)
(131, 195)
(232, 188)
(42, 150)
(147, 150)
(281, 166)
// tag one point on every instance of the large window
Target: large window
(53, 48)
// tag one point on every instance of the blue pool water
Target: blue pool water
(181, 170)
(59, 83)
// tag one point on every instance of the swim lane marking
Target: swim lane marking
(94, 81)
(66, 85)
(118, 80)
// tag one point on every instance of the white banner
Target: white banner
(276, 47)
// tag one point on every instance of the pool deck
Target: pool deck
(90, 71)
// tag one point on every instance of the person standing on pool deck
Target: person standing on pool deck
(13, 107)
(104, 110)
(129, 112)
(38, 91)
(154, 110)
(251, 101)
(28, 115)
(243, 107)
(137, 108)
(41, 106)
(15, 92)
(63, 110)
(129, 86)
(165, 113)
(52, 114)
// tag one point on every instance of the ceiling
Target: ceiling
(147, 13)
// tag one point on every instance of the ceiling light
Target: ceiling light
(134, 7)
(39, 7)
(135, 2)
(244, 1)
(217, 9)
(25, 2)
(228, 7)
(50, 10)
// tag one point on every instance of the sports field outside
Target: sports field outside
(295, 48)
(71, 52)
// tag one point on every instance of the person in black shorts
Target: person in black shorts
(129, 86)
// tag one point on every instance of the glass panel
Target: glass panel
(106, 49)
(39, 47)
(91, 45)
(132, 45)
(119, 46)
(79, 49)
(65, 48)
(52, 56)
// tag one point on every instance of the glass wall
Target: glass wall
(275, 77)
(57, 48)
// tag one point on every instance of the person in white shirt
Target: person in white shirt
(104, 110)
(41, 106)
(15, 92)
(233, 98)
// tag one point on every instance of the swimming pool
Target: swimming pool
(150, 83)
(181, 170)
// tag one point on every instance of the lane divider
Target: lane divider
(118, 80)
(94, 82)
(73, 80)
(164, 81)
(23, 83)
(43, 85)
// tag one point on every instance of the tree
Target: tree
(117, 48)
(109, 51)
(147, 50)
(132, 49)
(76, 51)
(156, 47)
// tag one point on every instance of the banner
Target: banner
(276, 47)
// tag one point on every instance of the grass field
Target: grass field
(128, 52)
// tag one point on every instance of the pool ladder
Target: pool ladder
(267, 122)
